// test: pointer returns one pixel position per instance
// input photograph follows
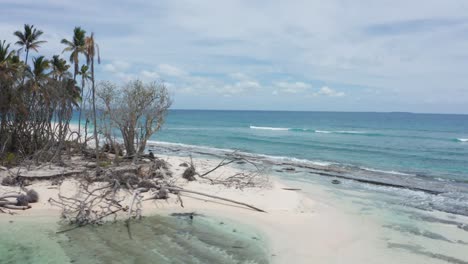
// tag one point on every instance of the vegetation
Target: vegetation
(38, 97)
(138, 110)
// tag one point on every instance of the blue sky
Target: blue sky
(334, 55)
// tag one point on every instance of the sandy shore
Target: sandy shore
(298, 228)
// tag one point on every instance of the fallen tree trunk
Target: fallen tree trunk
(21, 203)
(16, 207)
(216, 197)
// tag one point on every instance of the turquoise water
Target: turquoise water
(172, 239)
(423, 144)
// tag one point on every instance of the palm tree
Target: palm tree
(8, 61)
(8, 69)
(85, 75)
(5, 53)
(92, 50)
(38, 73)
(29, 39)
(76, 46)
(59, 67)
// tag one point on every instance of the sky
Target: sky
(334, 55)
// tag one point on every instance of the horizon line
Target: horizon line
(323, 111)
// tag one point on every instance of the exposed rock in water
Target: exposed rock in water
(289, 169)
(463, 227)
(335, 182)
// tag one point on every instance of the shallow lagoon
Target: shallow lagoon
(156, 239)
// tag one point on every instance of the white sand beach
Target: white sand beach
(298, 228)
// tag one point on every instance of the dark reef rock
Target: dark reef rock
(335, 182)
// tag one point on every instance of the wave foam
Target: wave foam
(308, 130)
(388, 172)
(462, 139)
(269, 128)
(341, 132)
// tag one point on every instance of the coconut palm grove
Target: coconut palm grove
(39, 94)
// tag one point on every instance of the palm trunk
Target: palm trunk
(94, 113)
(26, 63)
(76, 71)
(81, 109)
(26, 60)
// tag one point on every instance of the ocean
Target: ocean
(426, 145)
(407, 172)
(425, 153)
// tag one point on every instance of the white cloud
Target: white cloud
(149, 74)
(116, 66)
(416, 46)
(170, 70)
(240, 88)
(292, 87)
(327, 91)
(239, 76)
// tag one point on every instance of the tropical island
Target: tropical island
(86, 178)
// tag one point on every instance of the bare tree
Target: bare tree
(137, 109)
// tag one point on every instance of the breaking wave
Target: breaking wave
(270, 128)
(315, 131)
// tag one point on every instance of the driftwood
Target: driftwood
(238, 180)
(176, 189)
(102, 195)
(22, 200)
(291, 189)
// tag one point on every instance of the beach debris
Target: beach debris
(238, 180)
(9, 181)
(335, 181)
(104, 195)
(114, 148)
(190, 171)
(189, 174)
(33, 196)
(22, 202)
(183, 164)
(291, 189)
(185, 215)
(216, 197)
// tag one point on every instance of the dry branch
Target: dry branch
(102, 195)
(176, 189)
